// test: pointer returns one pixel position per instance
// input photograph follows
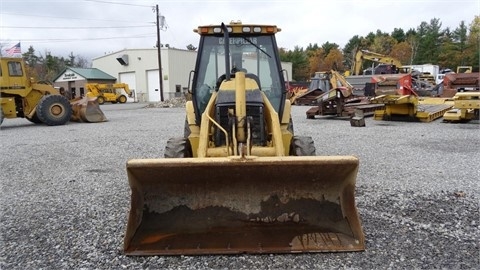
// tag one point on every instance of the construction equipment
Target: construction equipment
(295, 90)
(37, 102)
(393, 84)
(324, 82)
(239, 180)
(423, 74)
(401, 102)
(464, 69)
(466, 106)
(461, 82)
(391, 65)
(116, 92)
(331, 94)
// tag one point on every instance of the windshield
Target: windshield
(252, 55)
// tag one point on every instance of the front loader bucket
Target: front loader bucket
(87, 109)
(243, 205)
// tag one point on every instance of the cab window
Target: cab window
(15, 69)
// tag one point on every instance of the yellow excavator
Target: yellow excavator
(38, 102)
(390, 65)
(239, 180)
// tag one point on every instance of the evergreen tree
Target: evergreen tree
(460, 41)
(399, 35)
(430, 39)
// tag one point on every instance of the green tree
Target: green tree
(299, 59)
(349, 51)
(446, 54)
(399, 35)
(473, 44)
(30, 57)
(383, 44)
(312, 47)
(413, 41)
(367, 40)
(46, 68)
(460, 41)
(430, 40)
(327, 47)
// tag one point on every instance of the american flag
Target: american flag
(14, 51)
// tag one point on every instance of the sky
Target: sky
(93, 28)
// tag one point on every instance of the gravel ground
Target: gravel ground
(65, 196)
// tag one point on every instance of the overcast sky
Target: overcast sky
(92, 28)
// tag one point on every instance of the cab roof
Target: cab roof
(237, 27)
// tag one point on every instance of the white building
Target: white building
(139, 69)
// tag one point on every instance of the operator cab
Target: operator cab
(251, 49)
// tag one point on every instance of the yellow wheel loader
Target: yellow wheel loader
(37, 102)
(239, 180)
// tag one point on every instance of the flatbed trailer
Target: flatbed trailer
(347, 110)
(411, 108)
(466, 106)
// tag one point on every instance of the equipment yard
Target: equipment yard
(66, 199)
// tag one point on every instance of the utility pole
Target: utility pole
(159, 51)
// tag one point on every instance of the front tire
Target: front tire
(100, 100)
(54, 110)
(35, 119)
(122, 99)
(302, 146)
(178, 148)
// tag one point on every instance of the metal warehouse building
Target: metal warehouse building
(139, 69)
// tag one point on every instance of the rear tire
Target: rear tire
(1, 116)
(178, 148)
(302, 146)
(54, 110)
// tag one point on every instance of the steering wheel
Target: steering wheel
(247, 75)
(221, 79)
(255, 78)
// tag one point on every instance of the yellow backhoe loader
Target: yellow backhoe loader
(239, 180)
(37, 102)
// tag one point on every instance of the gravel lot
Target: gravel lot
(65, 196)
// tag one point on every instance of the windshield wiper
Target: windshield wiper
(256, 46)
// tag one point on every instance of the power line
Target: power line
(75, 27)
(118, 3)
(60, 17)
(48, 40)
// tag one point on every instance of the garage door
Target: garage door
(129, 78)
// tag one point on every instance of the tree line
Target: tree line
(428, 43)
(46, 68)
